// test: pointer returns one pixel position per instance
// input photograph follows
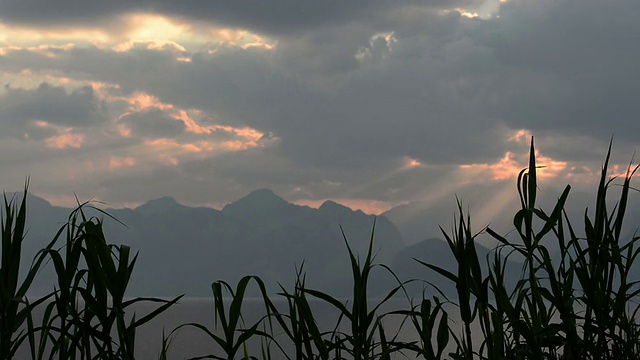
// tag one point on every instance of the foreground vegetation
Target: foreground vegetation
(574, 300)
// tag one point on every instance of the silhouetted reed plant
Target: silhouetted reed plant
(574, 298)
(86, 316)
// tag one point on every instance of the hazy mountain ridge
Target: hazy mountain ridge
(183, 249)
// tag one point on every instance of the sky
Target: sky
(370, 103)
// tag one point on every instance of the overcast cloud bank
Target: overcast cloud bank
(378, 103)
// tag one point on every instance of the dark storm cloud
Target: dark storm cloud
(351, 100)
(572, 65)
(153, 123)
(415, 97)
(24, 131)
(39, 13)
(51, 104)
(279, 17)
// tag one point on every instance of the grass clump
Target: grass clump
(86, 316)
(574, 298)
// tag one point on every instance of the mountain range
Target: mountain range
(182, 249)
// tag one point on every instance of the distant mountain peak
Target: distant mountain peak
(331, 205)
(334, 208)
(264, 194)
(260, 197)
(165, 200)
(159, 205)
(261, 208)
(38, 200)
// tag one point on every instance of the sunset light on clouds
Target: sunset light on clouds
(372, 104)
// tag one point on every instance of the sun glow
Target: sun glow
(154, 28)
(511, 165)
(159, 32)
(505, 169)
(151, 31)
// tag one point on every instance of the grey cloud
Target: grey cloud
(20, 109)
(445, 93)
(384, 180)
(39, 13)
(218, 179)
(576, 64)
(143, 186)
(153, 123)
(23, 131)
(378, 49)
(248, 169)
(280, 17)
(328, 109)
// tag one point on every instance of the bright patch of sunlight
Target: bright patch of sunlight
(504, 169)
(154, 28)
(510, 165)
(25, 36)
(467, 14)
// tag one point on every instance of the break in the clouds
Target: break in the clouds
(377, 102)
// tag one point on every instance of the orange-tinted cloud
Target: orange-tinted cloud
(245, 132)
(521, 136)
(139, 101)
(242, 39)
(243, 137)
(120, 162)
(505, 168)
(65, 140)
(549, 168)
(163, 144)
(510, 166)
(42, 124)
(124, 131)
(411, 163)
(172, 146)
(238, 145)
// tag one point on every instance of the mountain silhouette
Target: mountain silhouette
(184, 249)
(158, 206)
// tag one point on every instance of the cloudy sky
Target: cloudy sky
(371, 103)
